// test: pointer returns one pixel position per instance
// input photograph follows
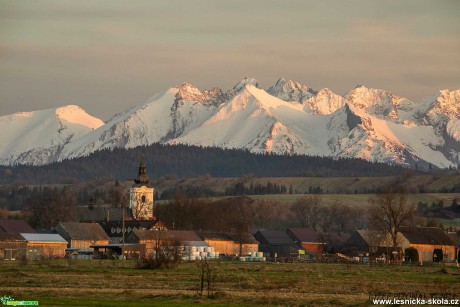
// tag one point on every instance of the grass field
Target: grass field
(114, 283)
(362, 199)
(341, 185)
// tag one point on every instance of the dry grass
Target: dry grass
(108, 283)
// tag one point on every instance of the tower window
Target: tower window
(143, 198)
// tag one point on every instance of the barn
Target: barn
(12, 246)
(188, 238)
(82, 235)
(364, 242)
(277, 242)
(40, 245)
(310, 240)
(227, 243)
(152, 239)
(431, 243)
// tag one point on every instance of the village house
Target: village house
(114, 229)
(12, 246)
(277, 243)
(431, 243)
(15, 226)
(310, 240)
(364, 242)
(82, 235)
(138, 214)
(119, 251)
(188, 238)
(455, 238)
(40, 245)
(226, 243)
(152, 239)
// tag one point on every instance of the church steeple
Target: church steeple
(142, 177)
(141, 195)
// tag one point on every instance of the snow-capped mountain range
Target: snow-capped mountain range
(287, 118)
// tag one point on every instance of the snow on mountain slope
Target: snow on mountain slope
(163, 117)
(288, 118)
(385, 141)
(36, 137)
(439, 109)
(380, 103)
(324, 102)
(290, 91)
(257, 121)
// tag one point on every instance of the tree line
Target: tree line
(191, 161)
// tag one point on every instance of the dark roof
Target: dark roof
(11, 237)
(81, 231)
(426, 235)
(371, 237)
(276, 237)
(15, 226)
(244, 238)
(113, 228)
(454, 237)
(185, 235)
(305, 235)
(152, 234)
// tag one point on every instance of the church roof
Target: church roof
(142, 178)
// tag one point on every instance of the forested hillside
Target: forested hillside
(190, 161)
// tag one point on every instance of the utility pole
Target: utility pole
(123, 224)
(122, 227)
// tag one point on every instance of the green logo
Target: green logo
(9, 301)
(5, 299)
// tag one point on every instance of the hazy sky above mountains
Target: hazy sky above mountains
(106, 56)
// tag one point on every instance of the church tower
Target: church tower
(141, 195)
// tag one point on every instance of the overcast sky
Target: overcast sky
(106, 56)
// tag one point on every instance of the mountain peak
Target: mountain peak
(187, 87)
(76, 115)
(280, 82)
(325, 102)
(288, 118)
(243, 83)
(290, 90)
(188, 92)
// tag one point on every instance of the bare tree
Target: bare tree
(206, 276)
(117, 195)
(264, 212)
(389, 211)
(166, 252)
(306, 210)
